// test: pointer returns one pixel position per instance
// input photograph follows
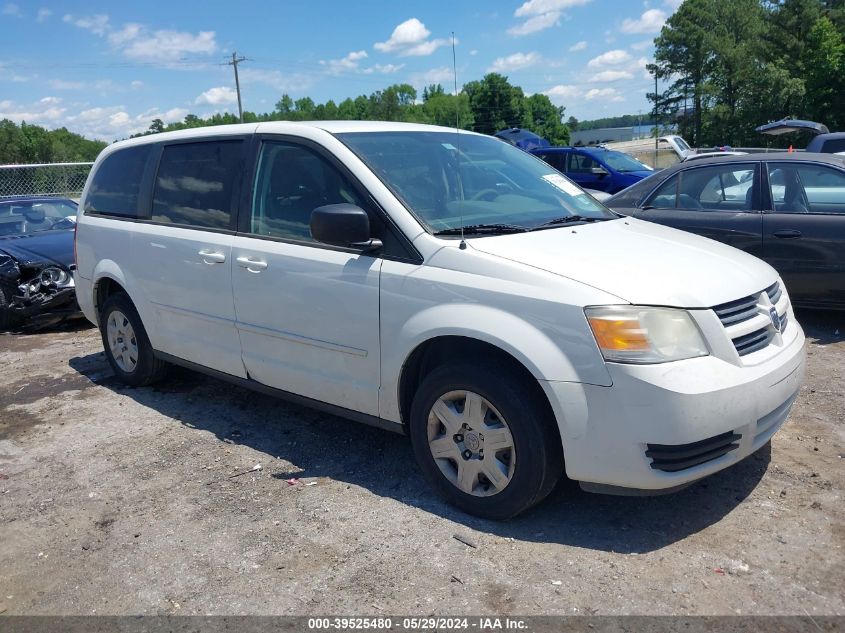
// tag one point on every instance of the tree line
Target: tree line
(486, 105)
(26, 143)
(732, 66)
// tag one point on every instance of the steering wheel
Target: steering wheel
(486, 194)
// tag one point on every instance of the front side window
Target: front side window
(116, 184)
(292, 181)
(447, 178)
(195, 184)
(805, 188)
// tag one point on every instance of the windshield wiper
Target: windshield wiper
(479, 229)
(569, 219)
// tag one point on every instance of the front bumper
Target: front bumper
(607, 431)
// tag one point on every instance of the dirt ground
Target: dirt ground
(130, 501)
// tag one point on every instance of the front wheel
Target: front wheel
(484, 439)
(126, 344)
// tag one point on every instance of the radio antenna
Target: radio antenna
(463, 243)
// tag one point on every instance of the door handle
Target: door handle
(212, 257)
(787, 233)
(252, 265)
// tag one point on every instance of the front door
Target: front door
(804, 234)
(721, 202)
(307, 313)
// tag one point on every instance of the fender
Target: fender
(541, 356)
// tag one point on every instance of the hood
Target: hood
(638, 261)
(52, 246)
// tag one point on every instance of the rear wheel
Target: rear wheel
(126, 344)
(485, 440)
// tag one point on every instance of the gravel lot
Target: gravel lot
(129, 501)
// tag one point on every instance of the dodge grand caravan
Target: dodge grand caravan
(441, 284)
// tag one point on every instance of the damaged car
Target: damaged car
(36, 261)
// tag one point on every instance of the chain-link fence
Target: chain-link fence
(50, 179)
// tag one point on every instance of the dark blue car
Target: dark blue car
(595, 167)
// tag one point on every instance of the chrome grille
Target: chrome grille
(734, 314)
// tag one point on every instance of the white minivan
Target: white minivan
(441, 284)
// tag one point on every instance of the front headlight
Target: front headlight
(57, 277)
(638, 334)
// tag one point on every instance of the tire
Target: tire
(8, 320)
(126, 344)
(521, 475)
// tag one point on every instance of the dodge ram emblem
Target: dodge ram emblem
(773, 315)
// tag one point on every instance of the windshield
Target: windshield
(622, 162)
(23, 217)
(485, 182)
(682, 143)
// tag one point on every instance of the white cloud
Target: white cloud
(43, 15)
(283, 82)
(649, 22)
(98, 24)
(168, 45)
(441, 75)
(606, 94)
(50, 100)
(540, 15)
(136, 84)
(537, 7)
(610, 58)
(349, 63)
(641, 46)
(608, 76)
(514, 62)
(578, 46)
(10, 8)
(217, 96)
(474, 52)
(137, 42)
(41, 112)
(411, 39)
(562, 93)
(535, 24)
(63, 84)
(384, 69)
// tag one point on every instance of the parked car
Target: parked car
(36, 256)
(521, 138)
(595, 167)
(823, 142)
(442, 284)
(786, 208)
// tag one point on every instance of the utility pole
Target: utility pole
(234, 63)
(656, 129)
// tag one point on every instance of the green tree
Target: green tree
(495, 103)
(823, 60)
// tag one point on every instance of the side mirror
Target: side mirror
(598, 171)
(343, 225)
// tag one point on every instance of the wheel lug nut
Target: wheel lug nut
(467, 454)
(459, 438)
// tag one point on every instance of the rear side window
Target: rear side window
(834, 146)
(195, 184)
(117, 182)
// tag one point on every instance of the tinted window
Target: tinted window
(116, 183)
(293, 181)
(833, 146)
(806, 188)
(580, 164)
(195, 184)
(558, 161)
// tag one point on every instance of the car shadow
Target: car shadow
(822, 327)
(322, 445)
